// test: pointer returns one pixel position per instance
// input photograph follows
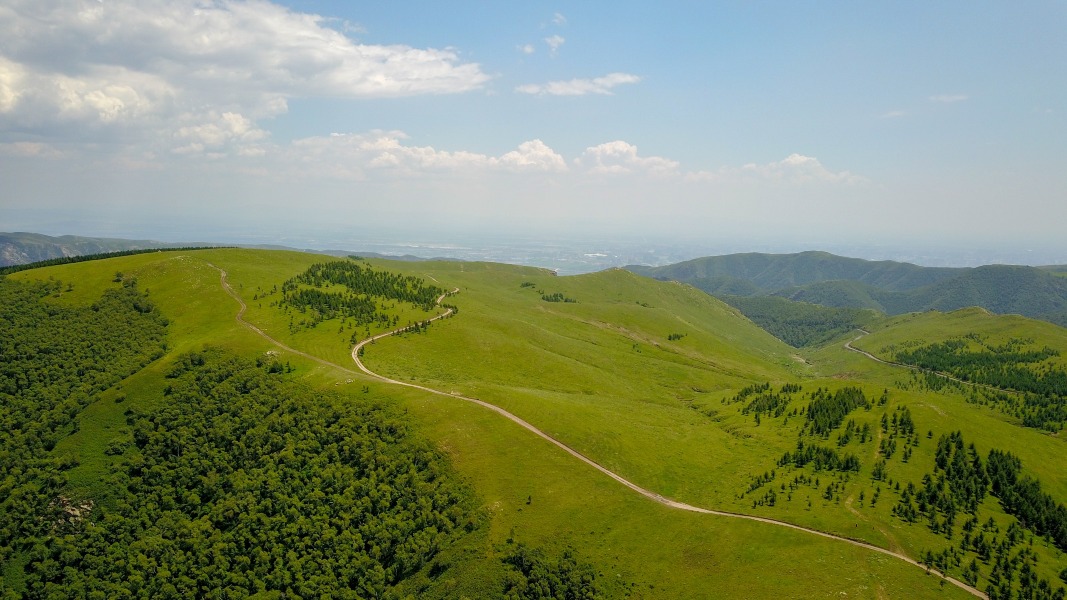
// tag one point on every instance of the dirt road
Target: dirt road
(571, 451)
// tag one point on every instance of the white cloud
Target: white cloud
(533, 155)
(893, 114)
(949, 98)
(559, 19)
(554, 43)
(526, 48)
(579, 87)
(620, 157)
(76, 68)
(216, 133)
(357, 156)
(794, 169)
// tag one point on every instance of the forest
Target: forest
(56, 359)
(245, 482)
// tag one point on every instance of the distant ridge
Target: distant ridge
(887, 286)
(21, 248)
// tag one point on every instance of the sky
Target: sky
(801, 124)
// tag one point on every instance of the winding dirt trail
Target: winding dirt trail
(356, 351)
(943, 375)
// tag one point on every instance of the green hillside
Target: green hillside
(801, 324)
(890, 287)
(657, 382)
(776, 271)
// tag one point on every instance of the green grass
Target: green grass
(601, 376)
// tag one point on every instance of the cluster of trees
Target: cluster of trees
(245, 482)
(328, 305)
(745, 392)
(851, 429)
(820, 457)
(827, 411)
(557, 297)
(958, 484)
(768, 402)
(56, 359)
(534, 576)
(1021, 496)
(365, 280)
(361, 293)
(1011, 366)
(900, 426)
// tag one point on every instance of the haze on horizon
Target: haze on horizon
(817, 124)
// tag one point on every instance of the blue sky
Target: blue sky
(808, 123)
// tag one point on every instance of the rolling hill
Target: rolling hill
(886, 286)
(699, 423)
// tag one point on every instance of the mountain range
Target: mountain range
(886, 286)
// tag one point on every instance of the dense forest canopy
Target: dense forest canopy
(56, 359)
(246, 482)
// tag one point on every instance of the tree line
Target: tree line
(66, 260)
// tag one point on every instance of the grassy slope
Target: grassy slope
(1041, 453)
(598, 401)
(946, 411)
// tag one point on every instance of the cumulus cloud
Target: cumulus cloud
(217, 133)
(525, 49)
(949, 98)
(620, 157)
(579, 87)
(554, 43)
(149, 64)
(559, 19)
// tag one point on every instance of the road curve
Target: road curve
(571, 451)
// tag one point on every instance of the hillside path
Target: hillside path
(571, 451)
(942, 374)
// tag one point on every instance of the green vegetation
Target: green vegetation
(557, 297)
(246, 483)
(656, 381)
(1013, 366)
(1022, 497)
(800, 324)
(67, 260)
(55, 361)
(360, 286)
(535, 577)
(959, 484)
(827, 411)
(889, 287)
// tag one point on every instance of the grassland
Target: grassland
(604, 376)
